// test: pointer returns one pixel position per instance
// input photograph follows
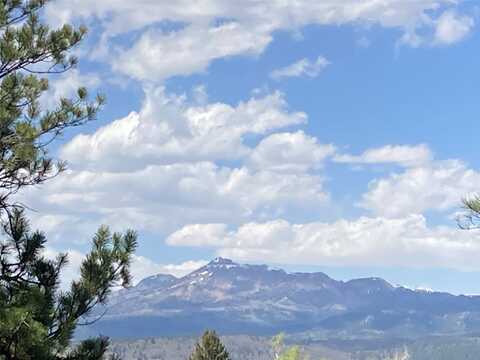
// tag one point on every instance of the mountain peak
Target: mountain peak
(221, 261)
(156, 280)
(259, 298)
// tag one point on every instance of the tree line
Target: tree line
(210, 347)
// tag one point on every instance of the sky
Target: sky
(333, 135)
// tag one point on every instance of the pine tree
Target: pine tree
(470, 219)
(37, 321)
(29, 53)
(209, 348)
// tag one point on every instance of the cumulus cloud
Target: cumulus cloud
(406, 241)
(124, 16)
(303, 67)
(437, 186)
(204, 32)
(198, 235)
(452, 27)
(169, 130)
(425, 184)
(289, 152)
(176, 162)
(156, 56)
(447, 29)
(159, 198)
(143, 267)
(404, 155)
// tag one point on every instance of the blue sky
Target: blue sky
(337, 136)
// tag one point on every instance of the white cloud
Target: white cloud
(452, 27)
(283, 152)
(176, 162)
(156, 56)
(201, 34)
(447, 29)
(303, 67)
(198, 235)
(143, 267)
(366, 241)
(184, 268)
(169, 130)
(437, 186)
(164, 197)
(404, 155)
(123, 16)
(75, 229)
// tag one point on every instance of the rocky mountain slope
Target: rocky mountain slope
(255, 299)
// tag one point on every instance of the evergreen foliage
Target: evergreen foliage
(37, 320)
(210, 348)
(470, 219)
(30, 52)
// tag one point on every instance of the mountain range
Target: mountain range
(256, 299)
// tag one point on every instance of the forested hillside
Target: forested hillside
(260, 348)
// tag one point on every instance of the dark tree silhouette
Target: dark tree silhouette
(209, 348)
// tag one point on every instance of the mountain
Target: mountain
(256, 299)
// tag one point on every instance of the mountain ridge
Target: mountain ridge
(257, 299)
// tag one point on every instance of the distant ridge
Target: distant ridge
(256, 299)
